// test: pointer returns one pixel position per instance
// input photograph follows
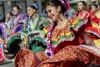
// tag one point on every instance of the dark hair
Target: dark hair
(95, 5)
(10, 13)
(58, 3)
(82, 2)
(18, 7)
(90, 7)
(34, 6)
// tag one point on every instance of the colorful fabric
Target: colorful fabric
(13, 44)
(97, 42)
(59, 35)
(3, 30)
(89, 24)
(16, 28)
(25, 58)
(49, 50)
(71, 54)
(94, 31)
(17, 19)
(36, 23)
(64, 41)
(78, 23)
(1, 53)
(37, 44)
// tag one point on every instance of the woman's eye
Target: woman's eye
(49, 11)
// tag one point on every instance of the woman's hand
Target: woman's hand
(87, 39)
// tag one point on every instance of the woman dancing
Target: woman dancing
(62, 39)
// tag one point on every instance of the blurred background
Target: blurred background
(6, 6)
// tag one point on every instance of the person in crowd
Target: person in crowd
(94, 9)
(71, 12)
(17, 16)
(62, 37)
(34, 21)
(89, 24)
(8, 17)
(98, 12)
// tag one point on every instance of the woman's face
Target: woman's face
(30, 11)
(93, 9)
(16, 11)
(52, 13)
(80, 6)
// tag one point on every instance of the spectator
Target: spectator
(71, 12)
(94, 8)
(8, 16)
(18, 17)
(34, 21)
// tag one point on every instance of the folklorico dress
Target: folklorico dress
(35, 23)
(14, 20)
(31, 28)
(66, 48)
(15, 24)
(91, 24)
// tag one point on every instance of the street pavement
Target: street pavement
(7, 64)
(11, 64)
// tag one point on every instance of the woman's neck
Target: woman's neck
(34, 16)
(17, 14)
(61, 21)
(82, 10)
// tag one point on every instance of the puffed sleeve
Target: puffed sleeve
(46, 30)
(79, 22)
(93, 18)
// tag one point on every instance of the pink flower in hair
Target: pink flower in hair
(65, 4)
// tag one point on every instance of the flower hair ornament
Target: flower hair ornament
(19, 7)
(35, 6)
(65, 4)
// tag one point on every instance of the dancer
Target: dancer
(62, 42)
(34, 21)
(90, 24)
(18, 17)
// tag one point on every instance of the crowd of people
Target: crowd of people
(56, 41)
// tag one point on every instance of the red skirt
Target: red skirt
(73, 56)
